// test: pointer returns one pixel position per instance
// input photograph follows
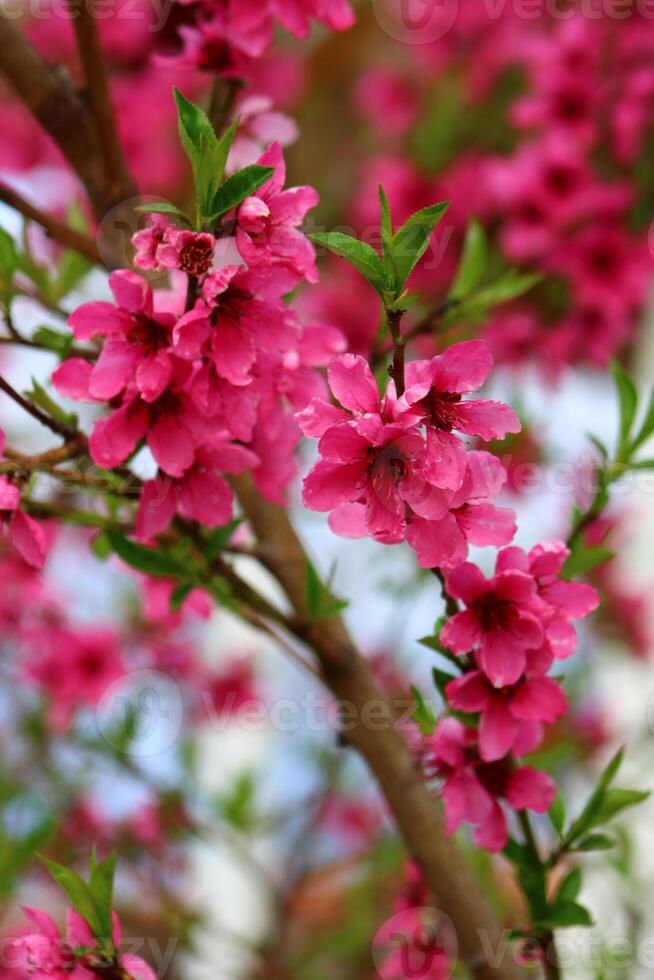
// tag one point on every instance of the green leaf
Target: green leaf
(101, 886)
(617, 800)
(570, 887)
(237, 187)
(180, 595)
(219, 539)
(238, 807)
(8, 257)
(565, 914)
(101, 546)
(386, 229)
(148, 560)
(208, 155)
(595, 842)
(473, 261)
(583, 560)
(410, 242)
(441, 679)
(359, 254)
(39, 396)
(79, 895)
(599, 445)
(321, 602)
(557, 814)
(628, 402)
(508, 286)
(586, 819)
(423, 713)
(164, 207)
(59, 343)
(73, 268)
(646, 427)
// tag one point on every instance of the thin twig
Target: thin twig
(53, 424)
(54, 228)
(394, 320)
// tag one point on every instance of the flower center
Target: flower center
(441, 409)
(196, 257)
(492, 612)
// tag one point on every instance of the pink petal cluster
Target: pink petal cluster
(396, 469)
(226, 36)
(475, 789)
(208, 391)
(24, 532)
(45, 953)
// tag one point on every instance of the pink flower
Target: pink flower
(24, 533)
(233, 322)
(433, 394)
(535, 699)
(563, 601)
(92, 662)
(162, 246)
(171, 425)
(366, 460)
(202, 494)
(45, 954)
(259, 125)
(137, 346)
(267, 223)
(503, 620)
(473, 788)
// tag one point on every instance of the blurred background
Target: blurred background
(252, 843)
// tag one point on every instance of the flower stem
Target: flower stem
(545, 939)
(396, 371)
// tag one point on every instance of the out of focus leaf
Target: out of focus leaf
(473, 262)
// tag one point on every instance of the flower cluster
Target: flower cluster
(226, 36)
(207, 386)
(44, 953)
(514, 625)
(397, 469)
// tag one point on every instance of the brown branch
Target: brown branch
(418, 817)
(55, 229)
(53, 101)
(118, 181)
(394, 320)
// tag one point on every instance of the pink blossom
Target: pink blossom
(259, 125)
(502, 621)
(24, 532)
(92, 662)
(202, 494)
(232, 322)
(267, 223)
(162, 246)
(433, 394)
(563, 601)
(533, 699)
(137, 345)
(45, 953)
(472, 788)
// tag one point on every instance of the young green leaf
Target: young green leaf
(219, 539)
(586, 819)
(410, 242)
(508, 286)
(565, 914)
(163, 207)
(615, 801)
(101, 886)
(628, 402)
(148, 560)
(359, 254)
(237, 187)
(595, 842)
(473, 261)
(8, 257)
(386, 229)
(582, 560)
(646, 428)
(557, 814)
(570, 887)
(180, 595)
(59, 343)
(423, 713)
(79, 895)
(321, 602)
(39, 396)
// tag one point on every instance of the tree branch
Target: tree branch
(118, 180)
(482, 944)
(55, 229)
